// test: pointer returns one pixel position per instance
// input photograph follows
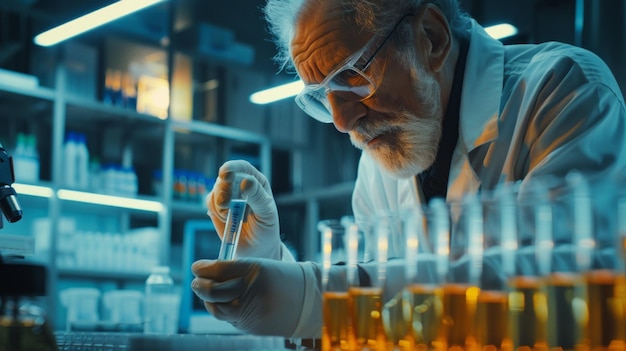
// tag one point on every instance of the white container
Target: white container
(70, 150)
(82, 162)
(161, 303)
(123, 306)
(81, 305)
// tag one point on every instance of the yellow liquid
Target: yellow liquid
(366, 308)
(336, 326)
(567, 311)
(605, 298)
(424, 313)
(395, 325)
(458, 312)
(527, 313)
(490, 327)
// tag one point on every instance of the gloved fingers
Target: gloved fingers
(228, 170)
(218, 199)
(260, 200)
(224, 311)
(220, 269)
(214, 291)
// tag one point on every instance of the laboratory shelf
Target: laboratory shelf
(84, 200)
(97, 274)
(188, 208)
(19, 92)
(36, 105)
(218, 130)
(89, 201)
(93, 110)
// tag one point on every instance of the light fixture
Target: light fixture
(280, 92)
(110, 200)
(91, 20)
(277, 93)
(501, 31)
(33, 190)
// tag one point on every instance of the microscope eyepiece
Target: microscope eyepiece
(9, 205)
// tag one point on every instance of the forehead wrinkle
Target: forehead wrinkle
(317, 60)
(320, 40)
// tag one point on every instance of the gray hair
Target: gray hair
(374, 16)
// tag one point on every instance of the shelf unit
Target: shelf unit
(167, 144)
(49, 113)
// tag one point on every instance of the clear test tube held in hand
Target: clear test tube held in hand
(234, 221)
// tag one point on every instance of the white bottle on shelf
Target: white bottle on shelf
(82, 162)
(161, 303)
(70, 151)
(130, 181)
(26, 159)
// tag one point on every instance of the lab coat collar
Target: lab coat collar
(479, 110)
(482, 89)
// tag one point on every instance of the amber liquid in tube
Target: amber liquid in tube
(395, 323)
(336, 318)
(527, 313)
(567, 310)
(366, 308)
(458, 312)
(605, 297)
(490, 326)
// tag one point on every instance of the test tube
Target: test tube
(234, 221)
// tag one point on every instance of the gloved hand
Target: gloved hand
(260, 235)
(262, 296)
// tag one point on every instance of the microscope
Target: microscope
(23, 326)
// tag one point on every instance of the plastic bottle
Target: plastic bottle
(26, 159)
(82, 162)
(161, 303)
(69, 158)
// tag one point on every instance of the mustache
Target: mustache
(370, 128)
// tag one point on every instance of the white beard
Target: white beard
(415, 138)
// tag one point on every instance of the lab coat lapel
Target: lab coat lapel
(479, 111)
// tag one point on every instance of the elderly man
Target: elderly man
(439, 108)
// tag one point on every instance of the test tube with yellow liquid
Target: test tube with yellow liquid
(427, 233)
(366, 300)
(336, 319)
(564, 257)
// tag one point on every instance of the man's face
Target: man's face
(400, 124)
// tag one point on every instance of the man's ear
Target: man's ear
(436, 36)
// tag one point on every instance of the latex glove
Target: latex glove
(262, 296)
(260, 235)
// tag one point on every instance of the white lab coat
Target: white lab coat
(526, 111)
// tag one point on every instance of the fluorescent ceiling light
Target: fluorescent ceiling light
(32, 190)
(110, 200)
(277, 93)
(91, 20)
(498, 31)
(501, 31)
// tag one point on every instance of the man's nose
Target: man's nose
(345, 113)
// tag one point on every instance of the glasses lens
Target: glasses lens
(349, 84)
(315, 104)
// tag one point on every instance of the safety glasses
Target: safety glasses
(349, 81)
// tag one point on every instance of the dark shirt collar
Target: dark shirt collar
(434, 180)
